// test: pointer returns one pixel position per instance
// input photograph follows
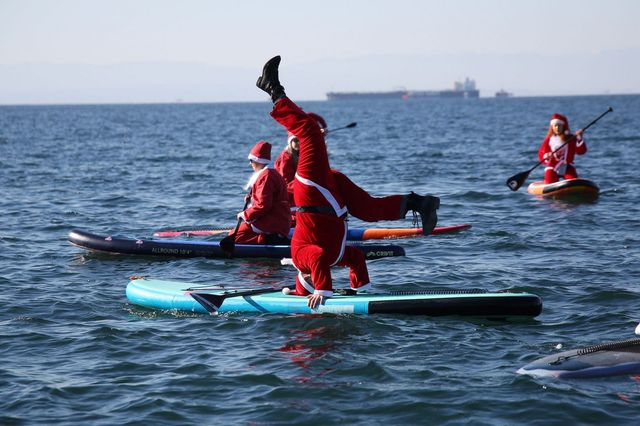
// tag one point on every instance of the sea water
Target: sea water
(74, 351)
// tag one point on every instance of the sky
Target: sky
(119, 51)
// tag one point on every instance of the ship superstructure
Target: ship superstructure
(461, 89)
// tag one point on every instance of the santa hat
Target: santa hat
(559, 119)
(261, 153)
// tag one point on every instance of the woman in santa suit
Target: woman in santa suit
(559, 148)
(324, 198)
(287, 163)
(266, 220)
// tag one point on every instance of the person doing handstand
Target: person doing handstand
(324, 199)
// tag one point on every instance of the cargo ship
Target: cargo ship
(503, 94)
(464, 89)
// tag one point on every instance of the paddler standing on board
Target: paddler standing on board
(559, 148)
(266, 219)
(324, 198)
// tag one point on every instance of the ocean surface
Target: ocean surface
(74, 351)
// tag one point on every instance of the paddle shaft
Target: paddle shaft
(212, 302)
(348, 126)
(235, 231)
(190, 233)
(228, 243)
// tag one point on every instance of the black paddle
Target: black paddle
(348, 126)
(228, 243)
(212, 302)
(515, 182)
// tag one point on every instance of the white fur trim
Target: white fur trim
(255, 228)
(326, 194)
(324, 293)
(305, 284)
(557, 121)
(556, 143)
(343, 244)
(257, 159)
(364, 288)
(253, 178)
(290, 138)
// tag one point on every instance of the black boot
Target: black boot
(426, 206)
(269, 82)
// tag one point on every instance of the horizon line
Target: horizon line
(180, 102)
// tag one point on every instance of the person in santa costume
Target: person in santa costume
(266, 219)
(324, 198)
(559, 148)
(287, 162)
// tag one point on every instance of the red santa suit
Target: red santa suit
(286, 165)
(287, 162)
(268, 209)
(561, 161)
(324, 197)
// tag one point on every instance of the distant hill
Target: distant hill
(524, 74)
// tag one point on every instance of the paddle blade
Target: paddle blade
(351, 125)
(228, 244)
(210, 302)
(515, 182)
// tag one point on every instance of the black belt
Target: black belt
(319, 209)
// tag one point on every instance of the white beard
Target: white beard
(253, 178)
(555, 142)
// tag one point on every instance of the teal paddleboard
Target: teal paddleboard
(175, 295)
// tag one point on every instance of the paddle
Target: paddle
(212, 302)
(348, 126)
(191, 232)
(516, 181)
(228, 243)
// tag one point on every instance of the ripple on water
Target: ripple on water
(75, 351)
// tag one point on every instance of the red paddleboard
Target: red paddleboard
(355, 234)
